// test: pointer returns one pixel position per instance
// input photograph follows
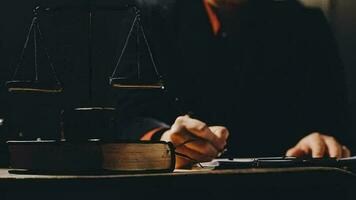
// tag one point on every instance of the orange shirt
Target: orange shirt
(148, 136)
(214, 20)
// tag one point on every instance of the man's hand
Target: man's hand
(318, 145)
(195, 141)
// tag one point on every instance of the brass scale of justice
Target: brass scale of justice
(35, 85)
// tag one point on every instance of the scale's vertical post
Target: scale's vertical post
(138, 51)
(90, 51)
(35, 46)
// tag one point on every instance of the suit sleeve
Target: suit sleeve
(327, 104)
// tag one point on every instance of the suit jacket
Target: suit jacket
(272, 78)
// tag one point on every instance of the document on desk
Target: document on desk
(280, 162)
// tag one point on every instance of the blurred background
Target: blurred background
(38, 116)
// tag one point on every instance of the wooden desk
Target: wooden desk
(287, 183)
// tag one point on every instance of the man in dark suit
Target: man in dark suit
(260, 76)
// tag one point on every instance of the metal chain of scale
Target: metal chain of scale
(125, 83)
(35, 85)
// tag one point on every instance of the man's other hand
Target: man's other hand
(318, 145)
(195, 141)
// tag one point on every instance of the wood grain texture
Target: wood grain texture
(253, 184)
(5, 175)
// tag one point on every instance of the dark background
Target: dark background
(67, 42)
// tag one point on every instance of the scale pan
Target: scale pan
(124, 83)
(32, 86)
(93, 109)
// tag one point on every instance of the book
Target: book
(91, 156)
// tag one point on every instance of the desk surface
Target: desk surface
(5, 175)
(315, 182)
(324, 172)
